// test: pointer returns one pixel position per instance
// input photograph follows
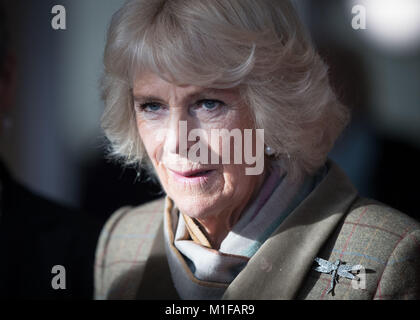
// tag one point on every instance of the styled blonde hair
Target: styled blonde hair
(258, 46)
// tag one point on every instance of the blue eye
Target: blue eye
(150, 107)
(210, 104)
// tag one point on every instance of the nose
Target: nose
(176, 140)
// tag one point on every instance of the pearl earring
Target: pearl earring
(269, 151)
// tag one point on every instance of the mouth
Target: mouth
(192, 173)
(197, 177)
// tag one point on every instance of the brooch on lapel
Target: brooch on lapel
(336, 269)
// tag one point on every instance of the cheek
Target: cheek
(235, 120)
(234, 178)
(150, 136)
(238, 186)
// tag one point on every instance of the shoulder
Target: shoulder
(385, 242)
(395, 241)
(124, 244)
(128, 219)
(371, 214)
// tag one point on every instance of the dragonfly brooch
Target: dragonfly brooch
(336, 269)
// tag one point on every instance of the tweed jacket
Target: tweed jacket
(332, 223)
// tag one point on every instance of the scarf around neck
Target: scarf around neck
(201, 272)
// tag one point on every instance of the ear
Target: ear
(8, 82)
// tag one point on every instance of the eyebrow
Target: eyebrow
(192, 96)
(147, 98)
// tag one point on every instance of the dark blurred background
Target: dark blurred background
(53, 143)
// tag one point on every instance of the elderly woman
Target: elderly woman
(181, 78)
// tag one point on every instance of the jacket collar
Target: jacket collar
(279, 267)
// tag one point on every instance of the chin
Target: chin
(196, 207)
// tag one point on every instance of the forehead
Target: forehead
(150, 84)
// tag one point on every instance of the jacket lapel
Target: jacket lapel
(279, 267)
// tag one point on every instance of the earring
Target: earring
(269, 151)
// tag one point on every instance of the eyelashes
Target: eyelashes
(148, 107)
(208, 105)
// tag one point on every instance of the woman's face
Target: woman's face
(200, 190)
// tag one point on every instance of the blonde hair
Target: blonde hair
(258, 46)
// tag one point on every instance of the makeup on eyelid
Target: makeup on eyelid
(203, 109)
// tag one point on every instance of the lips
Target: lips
(201, 178)
(192, 173)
